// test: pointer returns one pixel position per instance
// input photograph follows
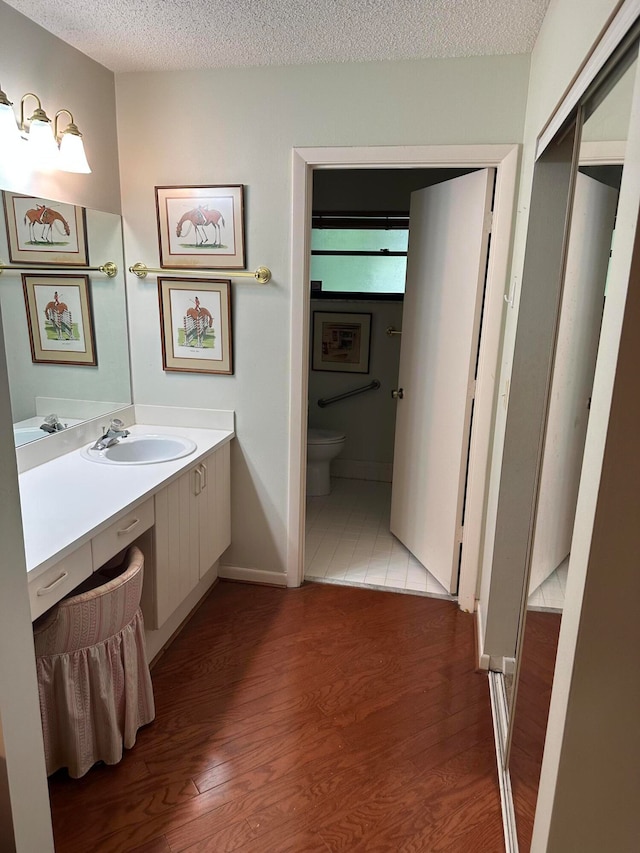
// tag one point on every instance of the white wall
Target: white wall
(35, 61)
(239, 126)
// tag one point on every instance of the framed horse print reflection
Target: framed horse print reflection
(201, 227)
(59, 319)
(45, 232)
(195, 325)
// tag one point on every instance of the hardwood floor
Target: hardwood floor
(321, 719)
(540, 645)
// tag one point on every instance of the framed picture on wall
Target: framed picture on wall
(59, 319)
(40, 231)
(201, 227)
(195, 324)
(341, 342)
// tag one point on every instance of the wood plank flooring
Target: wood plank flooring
(326, 718)
(540, 644)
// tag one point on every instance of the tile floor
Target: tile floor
(550, 594)
(348, 541)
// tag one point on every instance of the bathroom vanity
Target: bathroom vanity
(78, 515)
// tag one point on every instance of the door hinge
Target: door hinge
(488, 222)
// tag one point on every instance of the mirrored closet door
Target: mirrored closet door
(588, 155)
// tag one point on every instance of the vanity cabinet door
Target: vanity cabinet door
(214, 508)
(176, 544)
(192, 529)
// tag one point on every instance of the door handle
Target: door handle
(398, 395)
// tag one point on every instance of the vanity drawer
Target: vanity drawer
(122, 533)
(59, 580)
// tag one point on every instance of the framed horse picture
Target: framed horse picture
(59, 319)
(195, 325)
(45, 232)
(341, 342)
(201, 227)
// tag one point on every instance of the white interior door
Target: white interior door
(592, 222)
(448, 245)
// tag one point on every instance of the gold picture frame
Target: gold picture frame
(195, 325)
(59, 319)
(43, 232)
(201, 227)
(341, 342)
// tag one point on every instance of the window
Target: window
(359, 256)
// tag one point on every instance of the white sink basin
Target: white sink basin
(142, 450)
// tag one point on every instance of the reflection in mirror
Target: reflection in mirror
(584, 293)
(43, 339)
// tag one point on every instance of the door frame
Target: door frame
(505, 159)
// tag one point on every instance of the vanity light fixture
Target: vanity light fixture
(35, 138)
(9, 133)
(43, 152)
(72, 156)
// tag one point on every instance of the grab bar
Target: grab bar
(372, 386)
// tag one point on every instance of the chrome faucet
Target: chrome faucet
(111, 436)
(52, 424)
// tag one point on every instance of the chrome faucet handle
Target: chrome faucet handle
(52, 424)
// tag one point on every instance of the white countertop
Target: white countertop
(66, 501)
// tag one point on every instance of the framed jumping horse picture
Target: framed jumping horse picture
(59, 319)
(45, 232)
(201, 227)
(195, 325)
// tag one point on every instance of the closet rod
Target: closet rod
(109, 269)
(262, 275)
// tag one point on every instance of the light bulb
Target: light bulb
(9, 133)
(72, 155)
(43, 151)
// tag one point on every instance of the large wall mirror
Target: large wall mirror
(596, 151)
(65, 327)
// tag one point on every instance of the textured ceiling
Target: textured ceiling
(137, 35)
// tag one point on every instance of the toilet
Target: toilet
(323, 445)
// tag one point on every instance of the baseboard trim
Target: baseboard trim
(239, 573)
(483, 659)
(355, 469)
(508, 666)
(500, 716)
(182, 625)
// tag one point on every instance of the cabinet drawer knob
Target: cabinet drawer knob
(128, 529)
(44, 590)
